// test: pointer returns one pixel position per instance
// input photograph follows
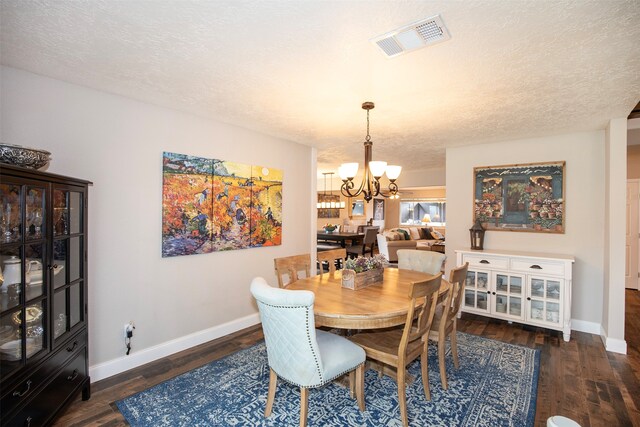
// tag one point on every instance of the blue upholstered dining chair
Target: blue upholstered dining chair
(424, 261)
(297, 352)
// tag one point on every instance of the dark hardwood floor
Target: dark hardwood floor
(577, 379)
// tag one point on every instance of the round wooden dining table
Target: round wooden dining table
(379, 305)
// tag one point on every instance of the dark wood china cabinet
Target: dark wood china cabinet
(43, 296)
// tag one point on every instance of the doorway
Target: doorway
(632, 236)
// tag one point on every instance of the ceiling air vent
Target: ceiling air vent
(414, 36)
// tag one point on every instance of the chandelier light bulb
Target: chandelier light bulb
(377, 168)
(393, 172)
(348, 170)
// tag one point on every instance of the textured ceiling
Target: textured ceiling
(301, 69)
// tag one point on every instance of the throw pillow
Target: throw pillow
(391, 236)
(426, 234)
(437, 235)
(422, 236)
(405, 233)
(414, 232)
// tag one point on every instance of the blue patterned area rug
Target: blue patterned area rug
(496, 385)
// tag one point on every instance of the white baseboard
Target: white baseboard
(121, 364)
(584, 326)
(613, 345)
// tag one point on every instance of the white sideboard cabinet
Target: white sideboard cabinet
(522, 287)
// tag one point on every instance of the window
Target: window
(422, 211)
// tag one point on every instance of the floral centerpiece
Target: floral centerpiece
(362, 271)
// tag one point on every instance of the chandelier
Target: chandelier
(373, 171)
(329, 201)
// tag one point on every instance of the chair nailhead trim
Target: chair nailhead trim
(315, 356)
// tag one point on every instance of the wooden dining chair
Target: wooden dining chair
(290, 266)
(398, 347)
(446, 317)
(332, 257)
(368, 243)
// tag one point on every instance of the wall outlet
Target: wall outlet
(128, 330)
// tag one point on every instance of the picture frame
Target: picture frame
(378, 209)
(526, 197)
(356, 208)
(213, 205)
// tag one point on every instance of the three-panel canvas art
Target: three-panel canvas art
(211, 205)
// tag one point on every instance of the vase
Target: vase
(355, 281)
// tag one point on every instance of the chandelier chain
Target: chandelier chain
(368, 137)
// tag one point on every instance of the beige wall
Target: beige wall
(615, 235)
(585, 200)
(117, 143)
(633, 162)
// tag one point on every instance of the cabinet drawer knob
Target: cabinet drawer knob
(73, 347)
(73, 376)
(528, 298)
(484, 261)
(18, 394)
(536, 266)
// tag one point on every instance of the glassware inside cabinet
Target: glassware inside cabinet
(483, 280)
(553, 312)
(471, 280)
(482, 300)
(469, 298)
(515, 285)
(10, 346)
(34, 271)
(34, 322)
(515, 306)
(537, 288)
(59, 261)
(11, 277)
(537, 310)
(10, 213)
(502, 283)
(501, 303)
(553, 289)
(34, 213)
(75, 212)
(60, 213)
(60, 313)
(59, 325)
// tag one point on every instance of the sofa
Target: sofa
(389, 241)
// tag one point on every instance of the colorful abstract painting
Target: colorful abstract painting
(211, 205)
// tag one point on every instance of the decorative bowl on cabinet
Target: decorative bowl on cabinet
(22, 156)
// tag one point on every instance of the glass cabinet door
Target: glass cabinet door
(68, 260)
(544, 300)
(508, 295)
(23, 293)
(476, 291)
